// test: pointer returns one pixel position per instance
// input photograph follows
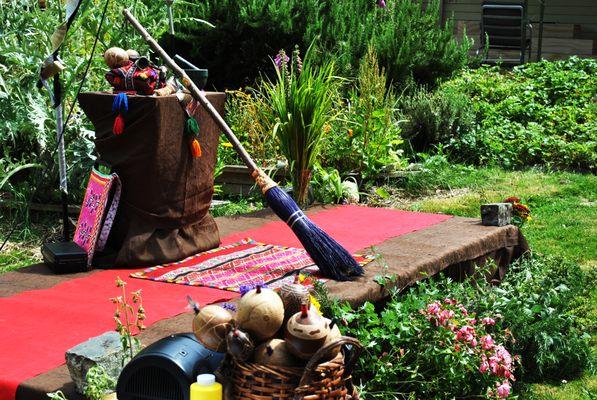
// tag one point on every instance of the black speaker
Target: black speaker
(166, 369)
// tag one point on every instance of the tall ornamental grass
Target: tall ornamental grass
(301, 99)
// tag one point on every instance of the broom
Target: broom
(332, 259)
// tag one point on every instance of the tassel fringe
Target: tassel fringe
(195, 148)
(120, 105)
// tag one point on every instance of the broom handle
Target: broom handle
(195, 92)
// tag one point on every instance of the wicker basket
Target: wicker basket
(328, 380)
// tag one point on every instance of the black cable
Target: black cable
(70, 112)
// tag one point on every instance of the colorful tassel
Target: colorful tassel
(120, 105)
(191, 130)
(195, 148)
(118, 127)
(191, 127)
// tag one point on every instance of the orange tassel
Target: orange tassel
(195, 148)
(118, 127)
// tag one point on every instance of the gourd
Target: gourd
(115, 57)
(260, 313)
(275, 352)
(306, 332)
(210, 325)
(293, 296)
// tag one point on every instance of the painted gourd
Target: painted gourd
(115, 57)
(293, 296)
(239, 345)
(275, 352)
(306, 332)
(260, 313)
(210, 326)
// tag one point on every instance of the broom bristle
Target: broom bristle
(333, 260)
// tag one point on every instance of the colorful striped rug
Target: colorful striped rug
(243, 263)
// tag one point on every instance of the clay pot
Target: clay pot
(115, 57)
(210, 326)
(306, 332)
(293, 296)
(260, 313)
(275, 352)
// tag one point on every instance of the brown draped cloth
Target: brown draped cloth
(163, 214)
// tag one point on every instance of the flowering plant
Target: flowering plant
(473, 344)
(129, 318)
(521, 213)
(418, 345)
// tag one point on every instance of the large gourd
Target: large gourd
(275, 352)
(260, 313)
(210, 325)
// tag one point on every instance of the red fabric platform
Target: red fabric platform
(40, 325)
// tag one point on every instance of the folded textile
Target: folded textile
(243, 263)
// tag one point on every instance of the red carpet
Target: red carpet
(39, 326)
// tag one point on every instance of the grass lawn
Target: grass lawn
(564, 212)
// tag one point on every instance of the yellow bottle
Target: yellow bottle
(206, 388)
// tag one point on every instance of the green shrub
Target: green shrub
(423, 344)
(365, 138)
(432, 118)
(27, 122)
(537, 300)
(533, 310)
(537, 114)
(408, 39)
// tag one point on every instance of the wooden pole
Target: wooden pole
(195, 92)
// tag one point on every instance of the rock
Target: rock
(104, 350)
(496, 214)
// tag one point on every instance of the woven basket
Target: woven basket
(318, 380)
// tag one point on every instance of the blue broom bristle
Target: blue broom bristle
(333, 260)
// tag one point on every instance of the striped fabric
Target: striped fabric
(243, 263)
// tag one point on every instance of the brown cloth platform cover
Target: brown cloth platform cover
(164, 209)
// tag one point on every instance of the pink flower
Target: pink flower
(503, 390)
(444, 316)
(434, 308)
(466, 334)
(488, 321)
(462, 309)
(484, 365)
(487, 342)
(449, 301)
(381, 3)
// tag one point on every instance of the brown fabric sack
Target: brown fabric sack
(166, 193)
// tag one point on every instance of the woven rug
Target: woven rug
(245, 263)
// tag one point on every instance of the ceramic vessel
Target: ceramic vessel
(306, 332)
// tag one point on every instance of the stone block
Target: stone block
(496, 214)
(104, 350)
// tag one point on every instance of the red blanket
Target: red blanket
(40, 325)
